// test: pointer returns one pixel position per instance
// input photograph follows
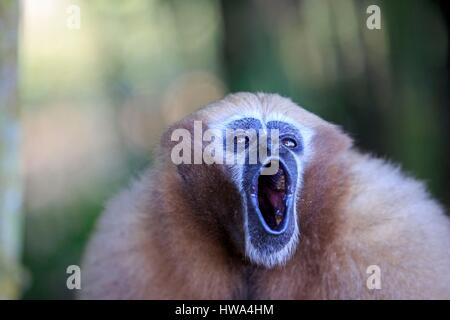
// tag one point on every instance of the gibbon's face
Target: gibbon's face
(270, 185)
(267, 191)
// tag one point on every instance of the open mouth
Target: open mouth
(273, 199)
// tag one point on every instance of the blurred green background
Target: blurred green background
(92, 102)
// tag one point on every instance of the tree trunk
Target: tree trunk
(10, 180)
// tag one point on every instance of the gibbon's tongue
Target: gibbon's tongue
(272, 198)
(277, 201)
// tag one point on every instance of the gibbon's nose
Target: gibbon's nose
(270, 167)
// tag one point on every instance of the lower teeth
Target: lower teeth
(278, 217)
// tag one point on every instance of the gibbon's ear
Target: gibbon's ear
(166, 142)
(323, 181)
(178, 139)
(329, 142)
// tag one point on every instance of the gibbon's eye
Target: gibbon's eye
(289, 142)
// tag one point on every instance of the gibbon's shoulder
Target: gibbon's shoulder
(145, 247)
(381, 194)
(115, 253)
(390, 220)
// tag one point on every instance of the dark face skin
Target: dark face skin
(270, 199)
(258, 210)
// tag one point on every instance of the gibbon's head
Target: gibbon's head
(242, 165)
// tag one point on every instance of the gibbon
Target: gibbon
(328, 223)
